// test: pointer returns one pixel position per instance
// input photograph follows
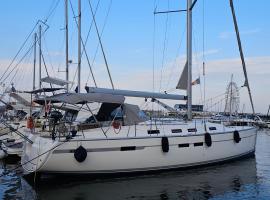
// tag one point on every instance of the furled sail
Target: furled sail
(182, 83)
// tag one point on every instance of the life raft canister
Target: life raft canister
(165, 144)
(30, 123)
(80, 154)
(236, 137)
(208, 139)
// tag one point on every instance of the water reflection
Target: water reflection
(202, 183)
(245, 179)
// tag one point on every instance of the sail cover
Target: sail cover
(74, 98)
(182, 83)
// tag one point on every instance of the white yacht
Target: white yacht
(119, 138)
(133, 144)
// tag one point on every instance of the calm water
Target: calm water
(246, 179)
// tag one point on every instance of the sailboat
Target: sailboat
(120, 138)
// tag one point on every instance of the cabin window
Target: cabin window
(197, 144)
(212, 128)
(129, 148)
(176, 130)
(153, 132)
(192, 130)
(183, 145)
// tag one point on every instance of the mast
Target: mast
(241, 55)
(67, 56)
(40, 57)
(34, 67)
(79, 45)
(189, 58)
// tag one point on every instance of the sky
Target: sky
(138, 44)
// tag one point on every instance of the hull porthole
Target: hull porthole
(80, 154)
(236, 137)
(208, 139)
(165, 144)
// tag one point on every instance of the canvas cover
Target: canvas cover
(133, 115)
(75, 98)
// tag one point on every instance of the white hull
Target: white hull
(105, 155)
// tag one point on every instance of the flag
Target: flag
(197, 81)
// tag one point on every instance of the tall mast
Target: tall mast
(40, 56)
(67, 56)
(79, 45)
(189, 58)
(35, 57)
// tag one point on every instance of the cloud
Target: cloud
(255, 65)
(218, 73)
(228, 34)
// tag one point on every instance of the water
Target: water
(245, 179)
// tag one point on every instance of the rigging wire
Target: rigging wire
(197, 59)
(23, 71)
(154, 46)
(101, 45)
(18, 63)
(175, 60)
(203, 45)
(4, 76)
(153, 60)
(165, 46)
(19, 51)
(48, 53)
(97, 48)
(73, 81)
(86, 40)
(52, 11)
(15, 74)
(84, 48)
(91, 25)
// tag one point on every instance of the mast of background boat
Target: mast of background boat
(189, 58)
(35, 58)
(40, 57)
(268, 111)
(67, 56)
(241, 55)
(79, 46)
(34, 69)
